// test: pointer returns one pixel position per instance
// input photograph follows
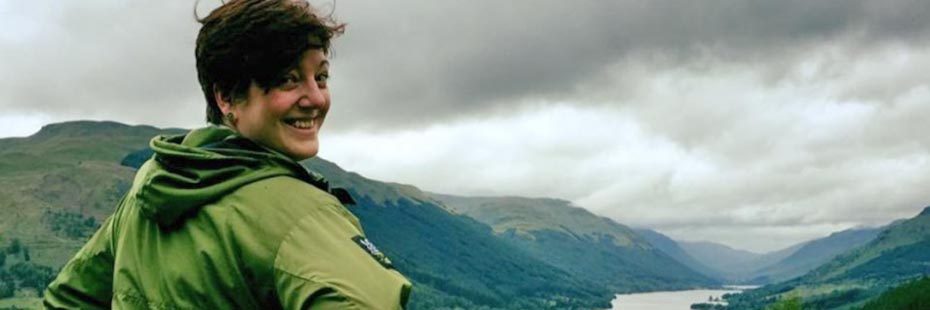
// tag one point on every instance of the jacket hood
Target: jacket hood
(189, 171)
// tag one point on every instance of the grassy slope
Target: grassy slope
(576, 240)
(72, 167)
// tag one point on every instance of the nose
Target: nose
(313, 95)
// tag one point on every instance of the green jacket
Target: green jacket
(214, 221)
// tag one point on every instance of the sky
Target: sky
(758, 124)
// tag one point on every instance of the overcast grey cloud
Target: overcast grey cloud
(735, 121)
(478, 56)
(127, 60)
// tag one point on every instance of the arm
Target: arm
(319, 266)
(86, 282)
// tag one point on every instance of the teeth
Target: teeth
(315, 113)
(303, 124)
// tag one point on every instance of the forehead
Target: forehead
(313, 59)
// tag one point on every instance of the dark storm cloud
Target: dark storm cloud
(450, 58)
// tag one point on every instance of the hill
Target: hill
(573, 239)
(734, 265)
(64, 175)
(674, 250)
(815, 253)
(738, 266)
(899, 253)
(59, 184)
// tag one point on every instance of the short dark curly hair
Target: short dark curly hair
(246, 41)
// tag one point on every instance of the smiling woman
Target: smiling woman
(225, 217)
(288, 116)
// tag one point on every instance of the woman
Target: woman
(224, 217)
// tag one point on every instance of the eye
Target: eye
(289, 81)
(321, 79)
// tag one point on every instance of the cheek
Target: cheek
(281, 102)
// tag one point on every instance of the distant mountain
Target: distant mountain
(740, 266)
(731, 264)
(815, 253)
(594, 248)
(674, 250)
(899, 253)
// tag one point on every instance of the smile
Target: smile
(301, 124)
(304, 122)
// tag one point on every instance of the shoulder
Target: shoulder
(278, 203)
(284, 189)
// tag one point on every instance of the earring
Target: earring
(231, 118)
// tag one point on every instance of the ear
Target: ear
(224, 102)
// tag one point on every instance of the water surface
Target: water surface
(667, 300)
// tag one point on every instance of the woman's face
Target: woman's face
(288, 117)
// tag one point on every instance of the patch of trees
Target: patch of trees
(18, 272)
(69, 224)
(706, 306)
(836, 299)
(789, 303)
(911, 295)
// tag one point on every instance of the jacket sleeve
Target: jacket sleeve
(85, 282)
(321, 265)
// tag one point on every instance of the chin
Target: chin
(302, 154)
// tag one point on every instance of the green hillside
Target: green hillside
(909, 296)
(573, 239)
(55, 188)
(59, 184)
(64, 175)
(898, 254)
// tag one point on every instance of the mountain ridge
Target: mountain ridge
(899, 253)
(572, 238)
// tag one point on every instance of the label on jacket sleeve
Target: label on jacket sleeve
(373, 251)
